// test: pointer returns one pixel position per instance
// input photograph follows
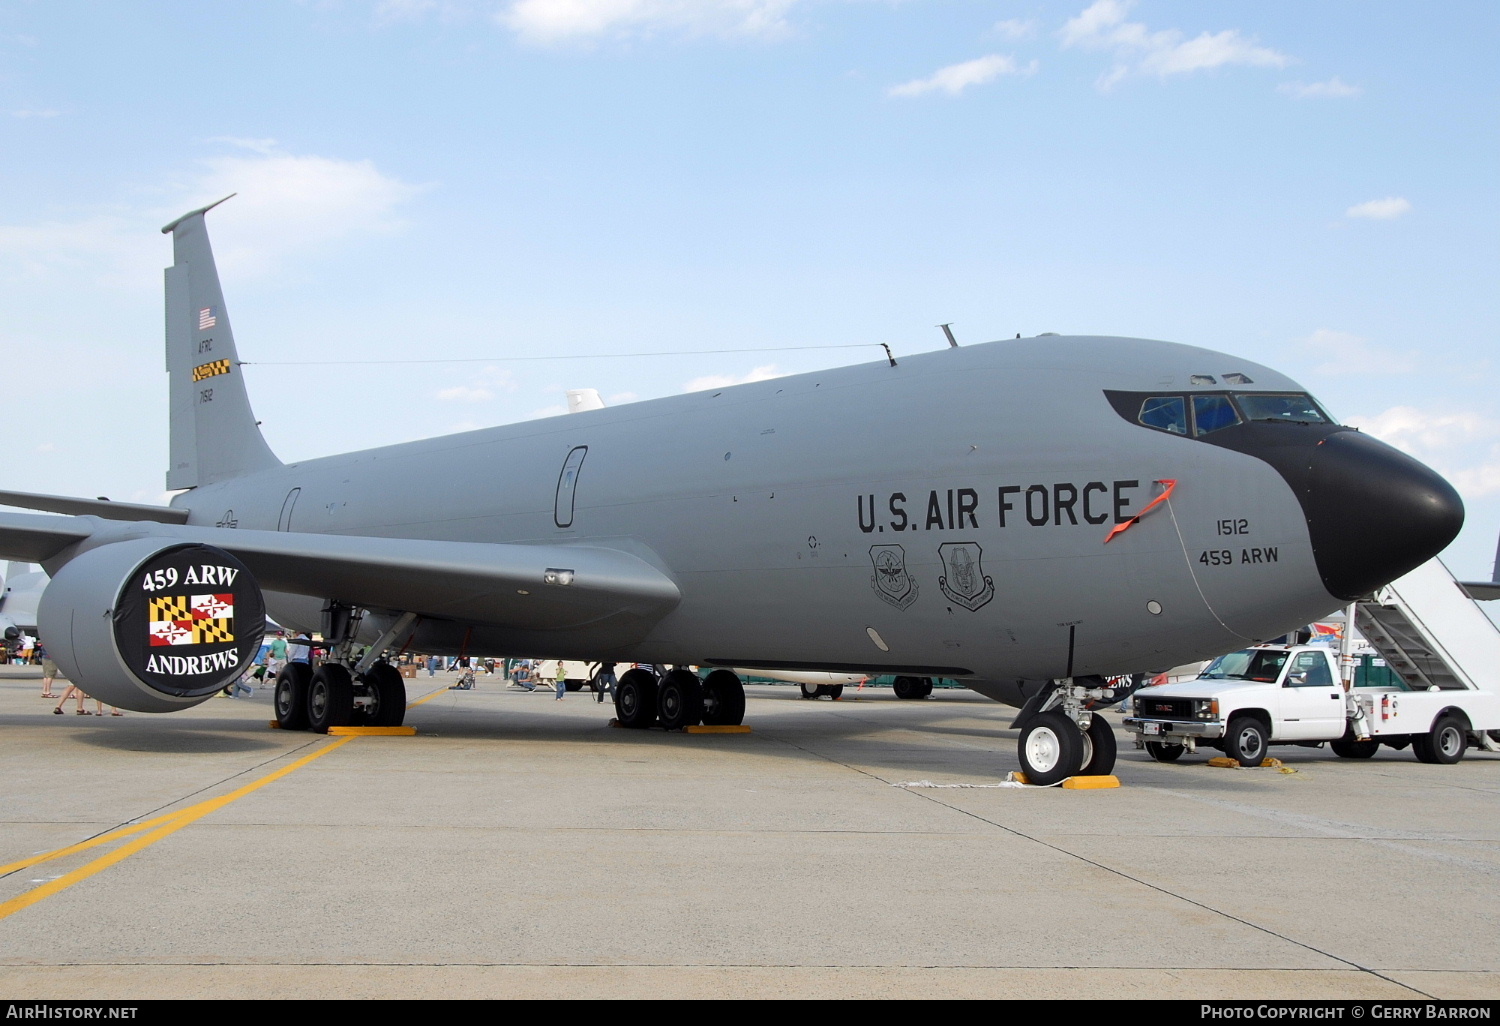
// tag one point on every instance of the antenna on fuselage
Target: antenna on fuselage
(888, 355)
(948, 330)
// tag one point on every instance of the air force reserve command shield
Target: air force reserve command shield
(190, 620)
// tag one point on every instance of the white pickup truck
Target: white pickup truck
(1246, 701)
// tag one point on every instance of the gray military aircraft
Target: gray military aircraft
(1048, 509)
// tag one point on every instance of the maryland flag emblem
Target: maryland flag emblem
(208, 370)
(191, 619)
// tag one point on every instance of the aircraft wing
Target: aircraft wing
(521, 586)
(94, 507)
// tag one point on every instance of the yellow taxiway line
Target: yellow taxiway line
(165, 826)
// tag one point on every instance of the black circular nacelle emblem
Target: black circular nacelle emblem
(189, 620)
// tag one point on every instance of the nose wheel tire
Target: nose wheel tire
(1161, 751)
(330, 698)
(1051, 748)
(635, 699)
(291, 696)
(1246, 741)
(1100, 748)
(1354, 749)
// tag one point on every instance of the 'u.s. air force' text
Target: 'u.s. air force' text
(1037, 505)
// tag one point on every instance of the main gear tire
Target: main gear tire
(679, 700)
(635, 699)
(291, 696)
(330, 698)
(723, 699)
(907, 687)
(388, 694)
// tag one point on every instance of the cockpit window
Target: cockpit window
(1290, 408)
(1165, 413)
(1211, 413)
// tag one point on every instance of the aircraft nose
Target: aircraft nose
(1374, 513)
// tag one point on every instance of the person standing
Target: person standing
(276, 655)
(604, 682)
(49, 671)
(562, 680)
(300, 650)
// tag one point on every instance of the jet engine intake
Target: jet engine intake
(151, 625)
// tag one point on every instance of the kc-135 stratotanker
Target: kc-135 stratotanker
(1047, 510)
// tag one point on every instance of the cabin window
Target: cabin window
(1165, 413)
(1212, 413)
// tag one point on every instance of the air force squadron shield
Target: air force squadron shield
(189, 620)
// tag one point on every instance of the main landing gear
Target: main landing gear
(815, 691)
(678, 699)
(369, 693)
(1061, 738)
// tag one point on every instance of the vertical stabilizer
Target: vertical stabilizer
(214, 435)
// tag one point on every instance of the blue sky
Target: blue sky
(1313, 186)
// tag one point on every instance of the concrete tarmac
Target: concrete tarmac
(520, 847)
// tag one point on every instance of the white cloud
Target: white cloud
(480, 387)
(1334, 89)
(1345, 355)
(765, 373)
(1461, 445)
(1015, 28)
(465, 394)
(553, 21)
(286, 204)
(1387, 209)
(955, 78)
(1138, 50)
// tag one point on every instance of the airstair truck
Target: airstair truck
(1424, 626)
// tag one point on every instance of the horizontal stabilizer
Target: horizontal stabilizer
(1481, 590)
(523, 587)
(94, 507)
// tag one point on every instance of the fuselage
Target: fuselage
(946, 516)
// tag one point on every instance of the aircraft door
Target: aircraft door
(284, 522)
(567, 483)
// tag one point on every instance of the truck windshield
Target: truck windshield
(1257, 664)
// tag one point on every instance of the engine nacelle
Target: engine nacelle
(151, 625)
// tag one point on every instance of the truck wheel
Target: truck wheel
(810, 691)
(1051, 748)
(1354, 749)
(1099, 760)
(1163, 751)
(1445, 745)
(1246, 741)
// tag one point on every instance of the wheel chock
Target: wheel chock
(704, 728)
(1091, 783)
(372, 731)
(1224, 762)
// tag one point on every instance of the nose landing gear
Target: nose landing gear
(1061, 738)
